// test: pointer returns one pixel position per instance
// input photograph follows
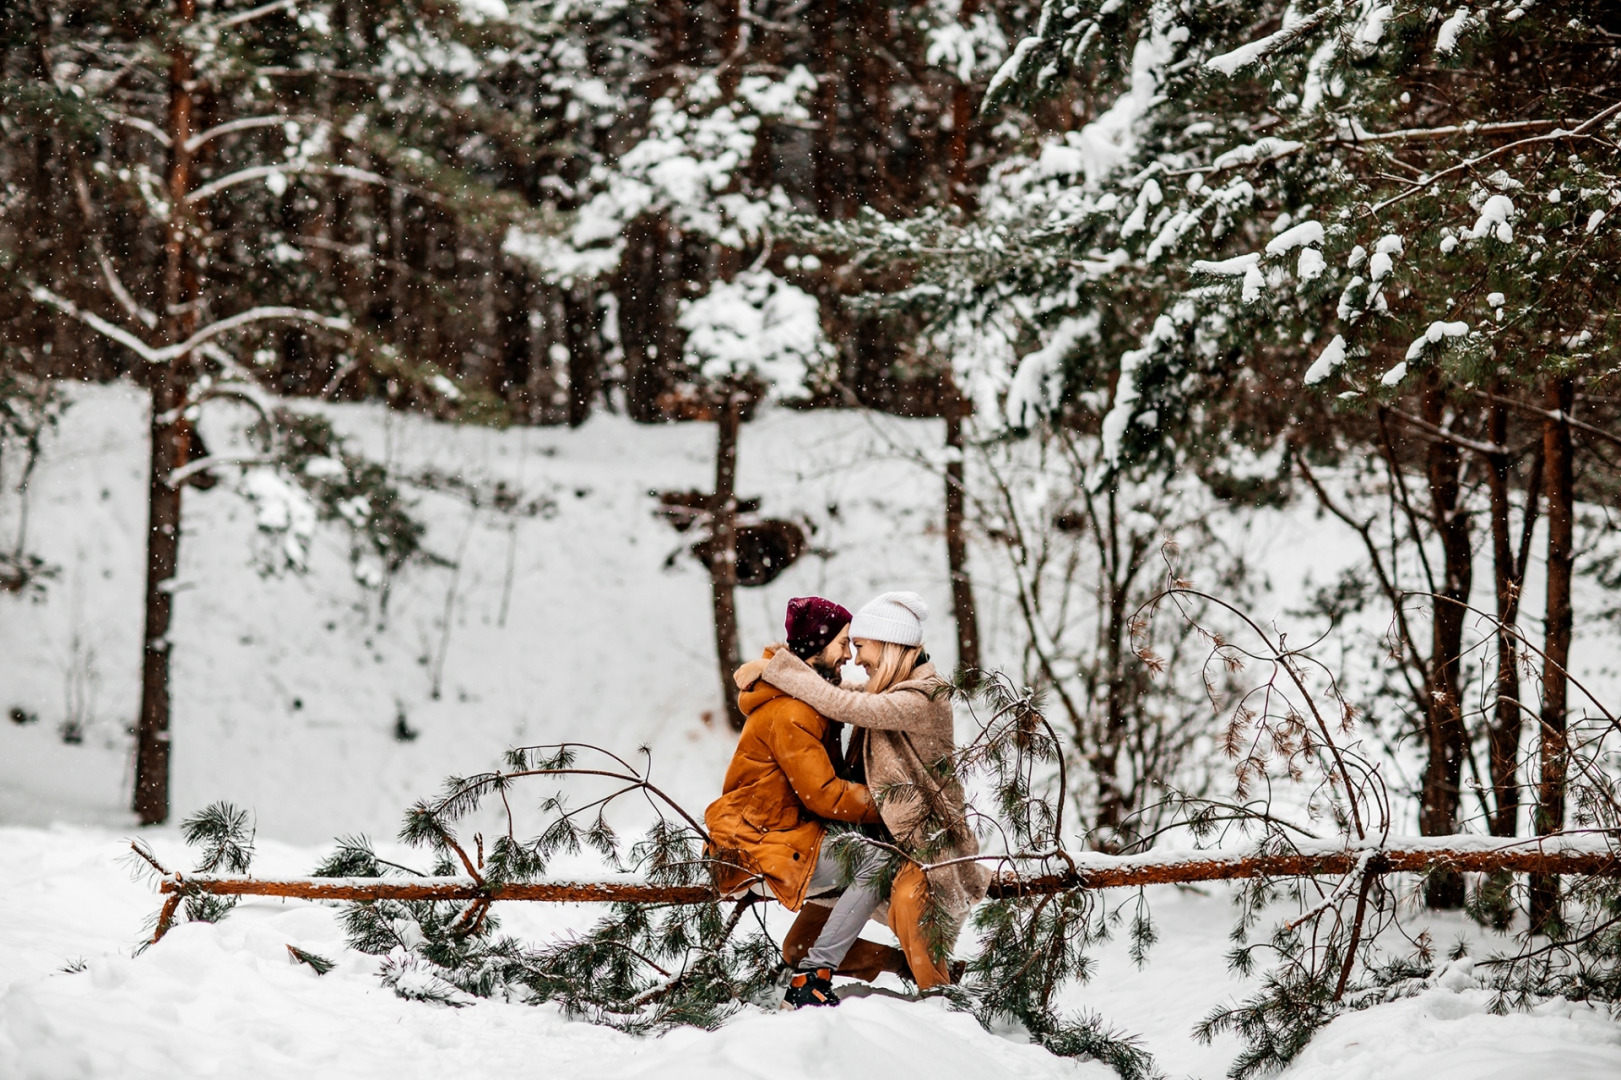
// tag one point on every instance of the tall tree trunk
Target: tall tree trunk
(723, 566)
(1442, 772)
(962, 586)
(825, 170)
(168, 452)
(1508, 571)
(1560, 480)
(962, 117)
(1115, 574)
(641, 288)
(953, 408)
(580, 317)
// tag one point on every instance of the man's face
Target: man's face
(836, 654)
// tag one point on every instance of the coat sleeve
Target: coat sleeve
(906, 710)
(797, 746)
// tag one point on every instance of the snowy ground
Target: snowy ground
(287, 692)
(226, 1001)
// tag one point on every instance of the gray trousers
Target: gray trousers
(850, 912)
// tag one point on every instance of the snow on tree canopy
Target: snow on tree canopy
(1494, 219)
(1305, 233)
(1038, 383)
(1332, 356)
(1110, 141)
(1236, 60)
(1259, 150)
(685, 166)
(756, 325)
(1434, 335)
(962, 49)
(1446, 39)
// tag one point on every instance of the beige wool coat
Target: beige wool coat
(909, 728)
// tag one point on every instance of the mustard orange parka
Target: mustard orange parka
(780, 791)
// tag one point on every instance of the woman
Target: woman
(905, 724)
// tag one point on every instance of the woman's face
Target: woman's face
(868, 653)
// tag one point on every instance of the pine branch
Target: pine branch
(319, 963)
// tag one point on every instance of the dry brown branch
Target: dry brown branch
(166, 916)
(1093, 872)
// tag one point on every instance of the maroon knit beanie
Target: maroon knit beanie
(812, 624)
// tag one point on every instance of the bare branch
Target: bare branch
(250, 123)
(1567, 854)
(42, 295)
(208, 333)
(252, 14)
(140, 125)
(254, 315)
(348, 172)
(1470, 163)
(215, 461)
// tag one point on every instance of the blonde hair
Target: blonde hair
(895, 665)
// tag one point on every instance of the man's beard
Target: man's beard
(834, 675)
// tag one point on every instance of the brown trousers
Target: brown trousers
(866, 960)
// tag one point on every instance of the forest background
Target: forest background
(1151, 268)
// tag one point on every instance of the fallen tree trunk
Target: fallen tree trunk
(1586, 855)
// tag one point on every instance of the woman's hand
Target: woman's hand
(749, 674)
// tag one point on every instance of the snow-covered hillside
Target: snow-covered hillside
(288, 694)
(288, 691)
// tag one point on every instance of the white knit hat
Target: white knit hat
(894, 616)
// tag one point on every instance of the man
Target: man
(782, 788)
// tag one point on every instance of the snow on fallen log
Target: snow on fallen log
(1591, 854)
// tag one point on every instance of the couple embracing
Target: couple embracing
(792, 787)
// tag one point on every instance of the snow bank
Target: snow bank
(226, 1000)
(1451, 1034)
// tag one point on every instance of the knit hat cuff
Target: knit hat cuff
(873, 627)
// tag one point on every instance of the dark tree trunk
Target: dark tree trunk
(723, 567)
(953, 408)
(962, 587)
(962, 117)
(1117, 572)
(1508, 571)
(1442, 772)
(579, 330)
(643, 329)
(1560, 481)
(825, 169)
(168, 452)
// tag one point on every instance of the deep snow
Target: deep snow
(287, 693)
(226, 1001)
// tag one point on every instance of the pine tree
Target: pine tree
(183, 130)
(1276, 201)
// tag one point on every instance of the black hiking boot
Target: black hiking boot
(810, 988)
